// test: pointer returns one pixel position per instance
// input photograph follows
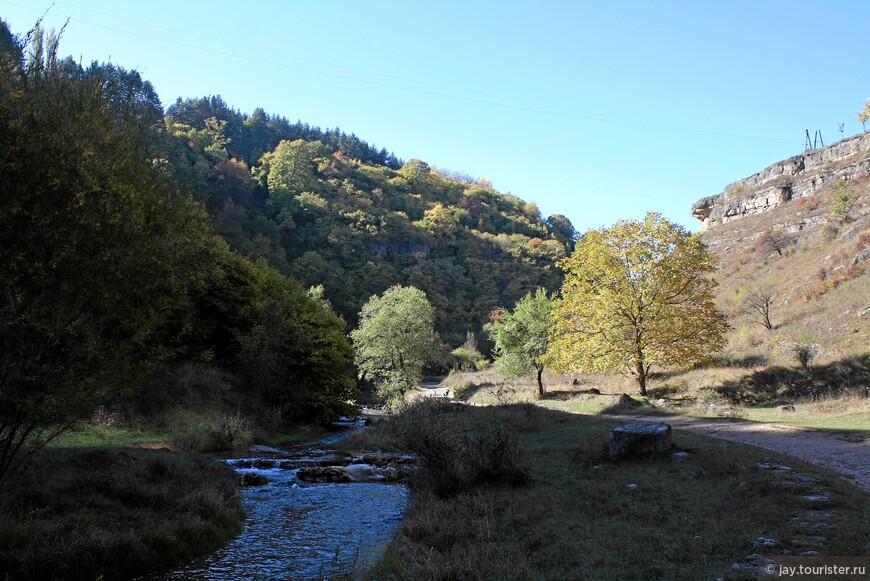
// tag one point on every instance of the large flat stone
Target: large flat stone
(640, 439)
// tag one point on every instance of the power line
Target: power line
(481, 98)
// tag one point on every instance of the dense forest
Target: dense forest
(329, 209)
(116, 291)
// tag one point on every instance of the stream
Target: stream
(302, 530)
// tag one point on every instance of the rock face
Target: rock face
(797, 177)
(639, 439)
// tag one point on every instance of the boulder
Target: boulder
(640, 439)
(621, 402)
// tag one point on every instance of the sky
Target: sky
(595, 110)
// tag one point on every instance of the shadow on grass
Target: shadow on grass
(467, 392)
(566, 394)
(775, 384)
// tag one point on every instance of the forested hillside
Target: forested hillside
(199, 267)
(329, 209)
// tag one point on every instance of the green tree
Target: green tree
(636, 295)
(467, 357)
(842, 203)
(396, 340)
(97, 245)
(521, 337)
(296, 355)
(562, 229)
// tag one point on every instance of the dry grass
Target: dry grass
(88, 513)
(577, 518)
(821, 282)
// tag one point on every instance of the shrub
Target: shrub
(842, 203)
(458, 447)
(804, 349)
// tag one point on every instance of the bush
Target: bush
(805, 349)
(458, 447)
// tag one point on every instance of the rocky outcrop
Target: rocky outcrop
(797, 177)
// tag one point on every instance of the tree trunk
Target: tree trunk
(540, 383)
(641, 378)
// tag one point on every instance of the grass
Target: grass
(104, 512)
(88, 434)
(846, 414)
(578, 516)
(299, 434)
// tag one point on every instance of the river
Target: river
(302, 530)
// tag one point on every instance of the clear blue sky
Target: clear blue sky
(598, 111)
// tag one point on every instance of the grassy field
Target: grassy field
(113, 512)
(579, 515)
(703, 392)
(97, 502)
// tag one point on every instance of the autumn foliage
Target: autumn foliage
(636, 295)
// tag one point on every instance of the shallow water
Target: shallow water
(302, 530)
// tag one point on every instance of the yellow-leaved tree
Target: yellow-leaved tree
(636, 295)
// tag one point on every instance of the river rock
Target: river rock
(363, 473)
(253, 479)
(640, 439)
(323, 474)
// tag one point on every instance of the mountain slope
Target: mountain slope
(795, 238)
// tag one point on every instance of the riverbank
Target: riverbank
(580, 515)
(113, 512)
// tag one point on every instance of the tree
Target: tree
(467, 357)
(864, 114)
(296, 353)
(521, 337)
(395, 340)
(97, 244)
(757, 301)
(636, 295)
(562, 229)
(774, 241)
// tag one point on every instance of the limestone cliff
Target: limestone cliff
(800, 176)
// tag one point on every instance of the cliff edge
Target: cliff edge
(800, 176)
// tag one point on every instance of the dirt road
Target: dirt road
(850, 459)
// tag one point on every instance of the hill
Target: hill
(329, 209)
(793, 241)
